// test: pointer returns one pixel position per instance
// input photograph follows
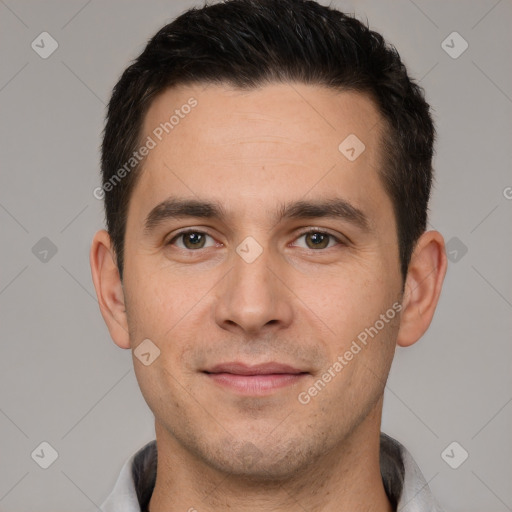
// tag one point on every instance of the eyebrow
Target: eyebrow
(176, 208)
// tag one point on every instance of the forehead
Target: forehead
(247, 147)
(295, 112)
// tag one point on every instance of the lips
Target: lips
(271, 368)
(254, 380)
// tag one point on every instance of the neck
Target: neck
(346, 478)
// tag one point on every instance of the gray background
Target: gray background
(63, 381)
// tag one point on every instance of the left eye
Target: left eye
(191, 240)
(318, 239)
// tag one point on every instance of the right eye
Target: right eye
(191, 240)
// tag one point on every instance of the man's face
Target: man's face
(205, 299)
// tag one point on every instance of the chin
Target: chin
(262, 462)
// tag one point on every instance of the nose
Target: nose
(254, 297)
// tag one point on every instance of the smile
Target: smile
(255, 380)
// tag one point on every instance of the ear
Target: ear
(422, 287)
(109, 288)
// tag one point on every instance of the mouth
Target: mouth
(261, 379)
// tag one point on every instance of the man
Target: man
(266, 174)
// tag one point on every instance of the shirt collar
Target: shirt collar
(402, 478)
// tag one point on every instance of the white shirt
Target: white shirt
(401, 477)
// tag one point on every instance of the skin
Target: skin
(252, 151)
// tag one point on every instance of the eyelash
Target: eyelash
(306, 232)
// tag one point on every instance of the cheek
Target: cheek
(156, 302)
(350, 301)
(174, 321)
(365, 340)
